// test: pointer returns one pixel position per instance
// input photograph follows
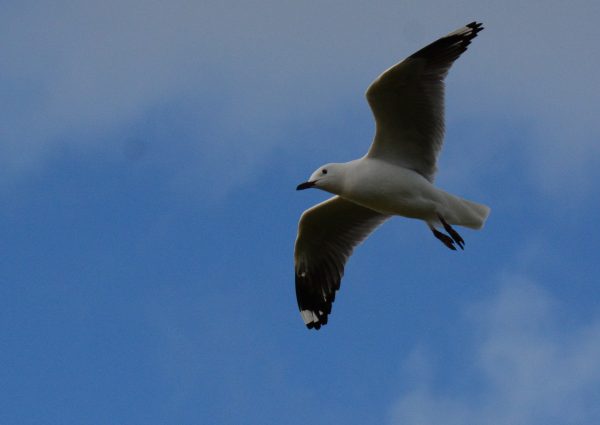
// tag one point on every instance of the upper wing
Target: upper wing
(407, 101)
(327, 235)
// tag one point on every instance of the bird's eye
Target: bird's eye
(324, 171)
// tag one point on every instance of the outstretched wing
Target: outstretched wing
(407, 101)
(327, 235)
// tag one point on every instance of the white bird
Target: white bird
(395, 177)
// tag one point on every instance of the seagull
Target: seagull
(394, 178)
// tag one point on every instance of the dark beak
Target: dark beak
(305, 185)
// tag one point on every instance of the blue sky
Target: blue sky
(149, 153)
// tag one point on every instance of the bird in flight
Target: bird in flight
(395, 177)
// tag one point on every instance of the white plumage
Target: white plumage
(395, 177)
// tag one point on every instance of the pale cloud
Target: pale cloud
(532, 367)
(79, 74)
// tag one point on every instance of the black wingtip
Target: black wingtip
(475, 25)
(475, 28)
(451, 46)
(310, 295)
(314, 325)
(322, 319)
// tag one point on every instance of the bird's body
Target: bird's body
(393, 190)
(394, 178)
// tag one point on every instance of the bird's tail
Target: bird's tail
(465, 213)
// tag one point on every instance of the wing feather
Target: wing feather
(327, 235)
(407, 102)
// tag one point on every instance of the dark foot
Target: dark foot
(446, 240)
(453, 233)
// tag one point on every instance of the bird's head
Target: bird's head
(327, 177)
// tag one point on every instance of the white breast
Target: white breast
(390, 189)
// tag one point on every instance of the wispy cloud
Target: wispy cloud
(533, 367)
(81, 75)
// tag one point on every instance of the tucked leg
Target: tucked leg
(453, 233)
(446, 240)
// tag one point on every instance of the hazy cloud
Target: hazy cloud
(533, 367)
(81, 75)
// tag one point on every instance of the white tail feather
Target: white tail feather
(462, 212)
